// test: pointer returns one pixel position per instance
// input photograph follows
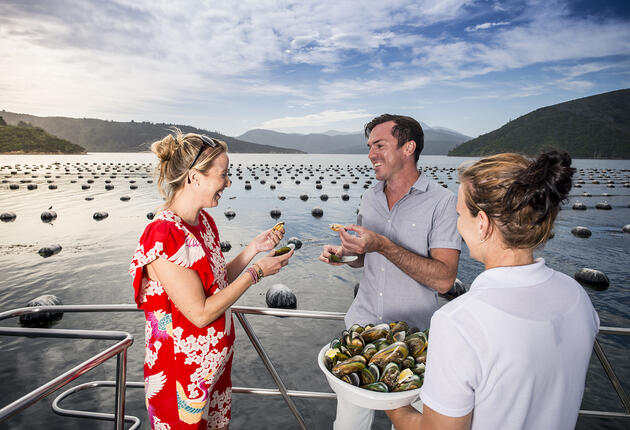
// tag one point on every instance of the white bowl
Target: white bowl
(366, 398)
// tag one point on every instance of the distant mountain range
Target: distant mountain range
(437, 141)
(96, 135)
(591, 127)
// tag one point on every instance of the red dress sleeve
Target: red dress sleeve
(163, 238)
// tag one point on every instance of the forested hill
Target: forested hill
(97, 135)
(591, 127)
(28, 139)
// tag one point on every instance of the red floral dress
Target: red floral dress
(186, 369)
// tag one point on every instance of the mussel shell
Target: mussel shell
(357, 328)
(335, 343)
(399, 336)
(376, 332)
(351, 365)
(369, 350)
(352, 379)
(410, 383)
(354, 343)
(381, 343)
(416, 346)
(375, 371)
(390, 375)
(367, 377)
(328, 362)
(408, 363)
(333, 258)
(281, 251)
(396, 353)
(422, 358)
(377, 386)
(419, 369)
(398, 326)
(347, 367)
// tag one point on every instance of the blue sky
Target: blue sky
(308, 66)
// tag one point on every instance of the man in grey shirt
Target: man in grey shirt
(406, 240)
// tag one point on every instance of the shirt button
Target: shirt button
(382, 269)
(389, 220)
(413, 225)
(380, 294)
(380, 318)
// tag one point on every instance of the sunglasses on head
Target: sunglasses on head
(206, 141)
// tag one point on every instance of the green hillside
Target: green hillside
(28, 139)
(591, 127)
(97, 135)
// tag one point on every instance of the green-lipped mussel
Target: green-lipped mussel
(383, 357)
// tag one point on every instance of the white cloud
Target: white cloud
(487, 25)
(313, 120)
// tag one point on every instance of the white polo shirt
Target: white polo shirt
(515, 348)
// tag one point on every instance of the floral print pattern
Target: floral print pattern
(186, 368)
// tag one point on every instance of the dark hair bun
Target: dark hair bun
(543, 185)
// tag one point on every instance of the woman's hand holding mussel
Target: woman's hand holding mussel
(268, 239)
(271, 264)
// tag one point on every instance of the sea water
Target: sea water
(92, 268)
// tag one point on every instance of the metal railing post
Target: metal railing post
(603, 359)
(272, 370)
(121, 380)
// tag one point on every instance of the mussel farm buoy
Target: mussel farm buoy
(626, 228)
(275, 213)
(14, 187)
(345, 197)
(98, 216)
(579, 206)
(304, 197)
(456, 290)
(229, 214)
(280, 296)
(581, 232)
(48, 216)
(42, 319)
(603, 205)
(8, 216)
(226, 246)
(109, 187)
(592, 278)
(125, 198)
(296, 242)
(32, 186)
(47, 251)
(317, 212)
(150, 215)
(323, 197)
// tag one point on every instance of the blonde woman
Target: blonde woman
(186, 288)
(513, 352)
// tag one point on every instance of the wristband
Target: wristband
(259, 271)
(253, 274)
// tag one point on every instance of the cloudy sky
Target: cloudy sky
(308, 65)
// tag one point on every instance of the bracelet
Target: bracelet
(259, 270)
(253, 274)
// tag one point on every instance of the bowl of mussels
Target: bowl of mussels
(377, 366)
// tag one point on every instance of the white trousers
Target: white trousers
(353, 417)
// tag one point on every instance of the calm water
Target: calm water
(92, 269)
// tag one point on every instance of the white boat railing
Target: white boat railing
(125, 340)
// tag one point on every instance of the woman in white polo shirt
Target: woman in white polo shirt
(513, 352)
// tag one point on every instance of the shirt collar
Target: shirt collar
(421, 184)
(513, 276)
